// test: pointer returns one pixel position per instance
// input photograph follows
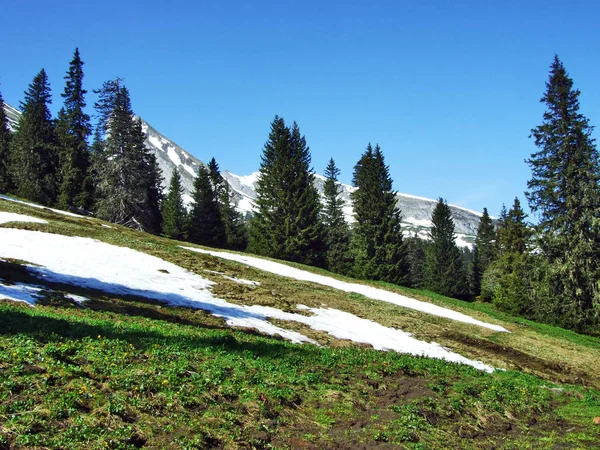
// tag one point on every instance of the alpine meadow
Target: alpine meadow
(152, 300)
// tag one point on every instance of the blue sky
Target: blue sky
(449, 89)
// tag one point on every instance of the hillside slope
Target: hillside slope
(100, 362)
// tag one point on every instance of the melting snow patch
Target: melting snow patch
(367, 291)
(93, 264)
(20, 292)
(6, 217)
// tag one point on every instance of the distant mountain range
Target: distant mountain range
(416, 211)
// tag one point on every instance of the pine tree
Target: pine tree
(338, 257)
(512, 270)
(5, 137)
(33, 161)
(564, 192)
(287, 222)
(205, 225)
(174, 213)
(378, 247)
(73, 130)
(129, 179)
(484, 251)
(236, 231)
(444, 271)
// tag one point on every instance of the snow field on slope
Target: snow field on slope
(367, 291)
(93, 264)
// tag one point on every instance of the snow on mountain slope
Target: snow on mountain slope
(416, 211)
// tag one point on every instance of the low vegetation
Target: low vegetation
(132, 373)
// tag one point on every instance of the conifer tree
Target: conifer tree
(33, 161)
(444, 271)
(564, 192)
(338, 257)
(174, 213)
(235, 228)
(73, 130)
(513, 267)
(287, 222)
(129, 179)
(484, 251)
(5, 136)
(205, 225)
(378, 247)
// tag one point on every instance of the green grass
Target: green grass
(131, 373)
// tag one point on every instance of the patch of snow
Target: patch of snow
(57, 211)
(173, 156)
(367, 291)
(6, 217)
(79, 299)
(93, 264)
(20, 292)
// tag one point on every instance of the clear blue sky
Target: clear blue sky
(449, 89)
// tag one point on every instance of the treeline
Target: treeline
(115, 177)
(548, 272)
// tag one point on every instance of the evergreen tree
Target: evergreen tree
(485, 250)
(174, 213)
(129, 179)
(73, 130)
(338, 258)
(416, 248)
(236, 231)
(564, 192)
(443, 270)
(5, 137)
(33, 161)
(512, 271)
(205, 225)
(287, 222)
(378, 247)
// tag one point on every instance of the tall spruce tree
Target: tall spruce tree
(5, 137)
(378, 247)
(338, 257)
(33, 161)
(287, 222)
(174, 213)
(129, 179)
(484, 251)
(564, 192)
(444, 271)
(73, 130)
(205, 225)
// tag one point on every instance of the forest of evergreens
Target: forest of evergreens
(548, 271)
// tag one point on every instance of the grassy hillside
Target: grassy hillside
(132, 373)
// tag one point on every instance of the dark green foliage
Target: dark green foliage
(73, 130)
(444, 270)
(5, 138)
(128, 190)
(509, 278)
(174, 213)
(338, 258)
(564, 192)
(286, 224)
(205, 225)
(485, 250)
(33, 161)
(415, 248)
(236, 231)
(378, 247)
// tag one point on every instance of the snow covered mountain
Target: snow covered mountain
(416, 211)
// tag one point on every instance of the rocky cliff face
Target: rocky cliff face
(416, 211)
